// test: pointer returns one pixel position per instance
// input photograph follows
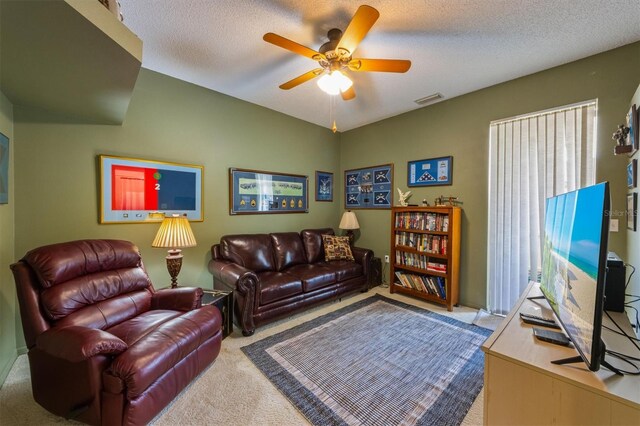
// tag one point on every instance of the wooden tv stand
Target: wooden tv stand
(522, 387)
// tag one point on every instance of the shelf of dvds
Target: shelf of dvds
(425, 247)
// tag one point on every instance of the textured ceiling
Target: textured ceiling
(455, 46)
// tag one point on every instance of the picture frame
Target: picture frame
(369, 187)
(324, 186)
(4, 169)
(634, 130)
(632, 174)
(632, 211)
(430, 172)
(261, 192)
(134, 190)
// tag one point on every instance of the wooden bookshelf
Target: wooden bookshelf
(425, 253)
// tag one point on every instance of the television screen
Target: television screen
(574, 264)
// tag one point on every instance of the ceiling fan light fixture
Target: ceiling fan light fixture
(334, 83)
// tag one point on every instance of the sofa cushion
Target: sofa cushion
(313, 276)
(274, 286)
(253, 251)
(162, 346)
(132, 330)
(312, 241)
(336, 248)
(343, 269)
(287, 249)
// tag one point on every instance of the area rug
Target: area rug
(376, 362)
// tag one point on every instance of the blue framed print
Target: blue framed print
(4, 169)
(369, 187)
(259, 192)
(324, 186)
(632, 174)
(430, 172)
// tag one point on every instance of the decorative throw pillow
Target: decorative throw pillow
(336, 248)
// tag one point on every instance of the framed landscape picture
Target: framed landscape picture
(369, 187)
(430, 172)
(632, 174)
(324, 186)
(4, 169)
(632, 210)
(140, 191)
(260, 192)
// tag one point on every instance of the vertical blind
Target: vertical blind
(531, 158)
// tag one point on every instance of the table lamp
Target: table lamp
(175, 233)
(349, 222)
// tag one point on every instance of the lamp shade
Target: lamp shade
(174, 232)
(349, 221)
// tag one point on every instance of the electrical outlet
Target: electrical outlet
(613, 225)
(386, 258)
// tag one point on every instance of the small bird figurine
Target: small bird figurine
(404, 196)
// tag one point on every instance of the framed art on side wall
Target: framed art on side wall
(140, 191)
(260, 192)
(324, 186)
(369, 187)
(632, 123)
(430, 172)
(4, 169)
(632, 210)
(632, 174)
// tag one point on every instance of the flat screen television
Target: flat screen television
(574, 264)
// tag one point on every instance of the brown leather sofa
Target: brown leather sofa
(104, 346)
(274, 275)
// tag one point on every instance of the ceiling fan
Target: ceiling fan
(335, 56)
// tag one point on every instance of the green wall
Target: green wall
(8, 306)
(170, 120)
(460, 127)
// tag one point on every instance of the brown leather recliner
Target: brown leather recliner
(104, 346)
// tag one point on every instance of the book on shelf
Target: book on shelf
(423, 283)
(423, 221)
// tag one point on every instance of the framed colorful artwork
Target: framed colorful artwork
(324, 186)
(369, 187)
(430, 172)
(4, 169)
(632, 174)
(140, 191)
(259, 192)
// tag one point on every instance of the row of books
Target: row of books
(423, 242)
(424, 283)
(423, 221)
(419, 261)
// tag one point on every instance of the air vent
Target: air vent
(429, 99)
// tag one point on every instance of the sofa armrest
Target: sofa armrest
(177, 299)
(233, 276)
(75, 343)
(363, 257)
(244, 284)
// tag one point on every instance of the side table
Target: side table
(223, 300)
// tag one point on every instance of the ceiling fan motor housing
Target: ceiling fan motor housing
(336, 58)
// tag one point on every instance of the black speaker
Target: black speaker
(614, 284)
(375, 277)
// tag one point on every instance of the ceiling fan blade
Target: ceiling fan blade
(348, 94)
(301, 79)
(380, 65)
(358, 28)
(292, 46)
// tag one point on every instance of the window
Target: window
(531, 158)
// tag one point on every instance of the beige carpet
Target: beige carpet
(231, 392)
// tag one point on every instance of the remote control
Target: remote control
(543, 323)
(522, 315)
